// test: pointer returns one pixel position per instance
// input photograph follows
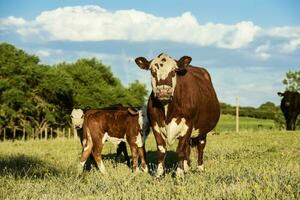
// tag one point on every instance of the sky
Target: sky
(247, 46)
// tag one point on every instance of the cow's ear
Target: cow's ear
(142, 62)
(280, 94)
(184, 62)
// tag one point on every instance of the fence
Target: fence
(36, 134)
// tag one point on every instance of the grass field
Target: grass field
(252, 164)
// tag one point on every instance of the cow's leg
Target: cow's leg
(142, 157)
(161, 152)
(135, 156)
(200, 148)
(96, 152)
(182, 155)
(122, 148)
(87, 146)
(187, 163)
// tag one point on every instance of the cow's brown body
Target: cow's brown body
(192, 106)
(116, 125)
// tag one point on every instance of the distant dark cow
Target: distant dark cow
(182, 101)
(77, 117)
(114, 125)
(290, 106)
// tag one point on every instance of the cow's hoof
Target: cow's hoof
(200, 168)
(136, 170)
(145, 169)
(179, 172)
(186, 167)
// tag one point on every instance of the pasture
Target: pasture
(257, 163)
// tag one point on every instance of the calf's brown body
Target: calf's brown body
(115, 125)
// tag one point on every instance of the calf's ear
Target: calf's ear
(280, 94)
(133, 111)
(142, 62)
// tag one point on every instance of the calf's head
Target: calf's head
(164, 72)
(77, 118)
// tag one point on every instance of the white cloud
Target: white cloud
(43, 53)
(93, 23)
(291, 46)
(262, 51)
(284, 32)
(12, 21)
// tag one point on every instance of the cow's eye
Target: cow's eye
(153, 73)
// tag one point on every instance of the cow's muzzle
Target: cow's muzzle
(164, 93)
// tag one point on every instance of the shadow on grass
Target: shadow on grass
(170, 160)
(21, 166)
(151, 158)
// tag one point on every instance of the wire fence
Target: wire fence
(36, 133)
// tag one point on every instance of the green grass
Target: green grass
(262, 164)
(227, 122)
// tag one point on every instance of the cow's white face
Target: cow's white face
(164, 72)
(163, 77)
(77, 118)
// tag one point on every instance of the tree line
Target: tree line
(38, 95)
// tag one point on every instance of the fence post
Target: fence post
(14, 133)
(4, 134)
(46, 133)
(57, 132)
(63, 132)
(75, 133)
(69, 133)
(23, 137)
(237, 125)
(33, 133)
(51, 132)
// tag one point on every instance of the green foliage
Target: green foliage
(292, 81)
(264, 111)
(35, 95)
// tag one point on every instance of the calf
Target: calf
(290, 106)
(183, 101)
(77, 117)
(114, 125)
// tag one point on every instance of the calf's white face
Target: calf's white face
(77, 117)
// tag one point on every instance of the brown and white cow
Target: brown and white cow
(77, 118)
(114, 125)
(182, 101)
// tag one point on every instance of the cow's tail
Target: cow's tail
(87, 145)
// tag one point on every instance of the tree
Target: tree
(35, 95)
(292, 81)
(268, 106)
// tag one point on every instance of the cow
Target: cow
(77, 117)
(290, 106)
(114, 125)
(182, 102)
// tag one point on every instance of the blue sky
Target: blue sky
(247, 46)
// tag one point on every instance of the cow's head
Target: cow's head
(77, 118)
(287, 98)
(164, 72)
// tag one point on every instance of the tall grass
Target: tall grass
(248, 165)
